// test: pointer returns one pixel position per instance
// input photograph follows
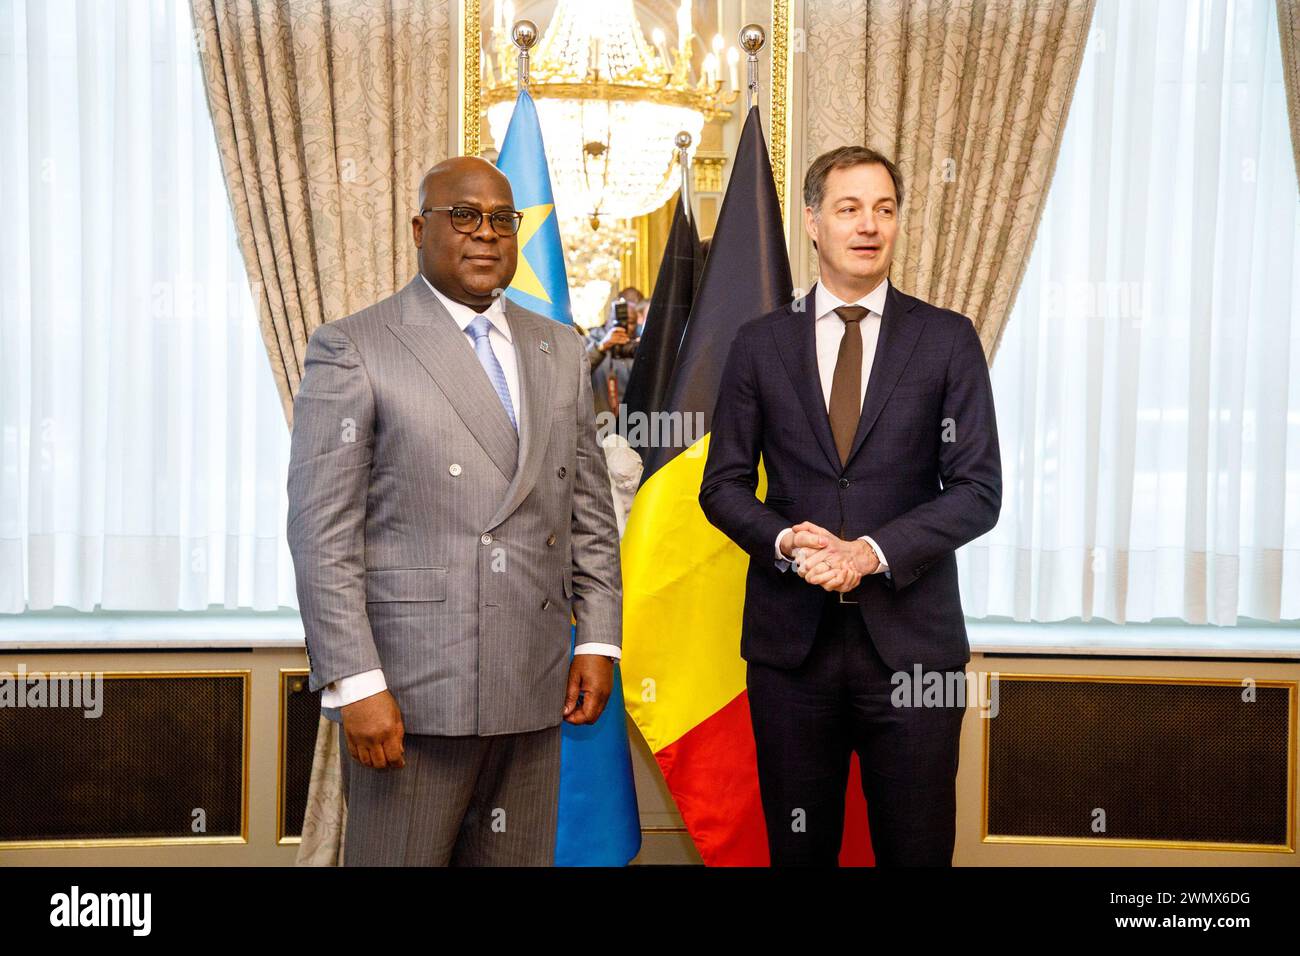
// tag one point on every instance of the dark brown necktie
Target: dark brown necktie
(846, 386)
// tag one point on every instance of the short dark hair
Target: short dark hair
(842, 157)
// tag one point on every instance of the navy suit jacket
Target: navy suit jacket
(923, 478)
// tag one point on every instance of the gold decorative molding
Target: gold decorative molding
(782, 77)
(471, 110)
(707, 168)
(287, 675)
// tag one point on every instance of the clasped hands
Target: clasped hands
(827, 561)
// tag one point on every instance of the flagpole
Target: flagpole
(752, 39)
(524, 35)
(683, 143)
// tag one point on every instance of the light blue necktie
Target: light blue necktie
(478, 328)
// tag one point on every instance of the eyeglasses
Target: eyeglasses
(467, 219)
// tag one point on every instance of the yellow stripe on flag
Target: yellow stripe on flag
(683, 595)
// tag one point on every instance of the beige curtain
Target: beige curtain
(326, 114)
(1288, 28)
(324, 823)
(969, 97)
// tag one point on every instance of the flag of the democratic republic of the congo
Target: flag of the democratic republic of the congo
(598, 824)
(540, 281)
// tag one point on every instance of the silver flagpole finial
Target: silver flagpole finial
(524, 35)
(752, 38)
(683, 143)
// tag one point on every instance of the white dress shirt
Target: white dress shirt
(498, 337)
(347, 690)
(828, 329)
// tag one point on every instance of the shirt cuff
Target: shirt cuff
(880, 555)
(782, 562)
(605, 650)
(349, 690)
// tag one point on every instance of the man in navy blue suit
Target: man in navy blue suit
(873, 414)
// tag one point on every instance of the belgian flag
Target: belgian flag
(683, 580)
(670, 307)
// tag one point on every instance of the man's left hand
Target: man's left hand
(840, 565)
(592, 677)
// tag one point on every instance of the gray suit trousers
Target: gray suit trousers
(459, 801)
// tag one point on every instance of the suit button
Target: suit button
(844, 482)
(562, 472)
(454, 469)
(487, 538)
(550, 541)
(546, 605)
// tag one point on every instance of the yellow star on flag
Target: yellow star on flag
(525, 279)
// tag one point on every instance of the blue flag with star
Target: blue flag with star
(598, 823)
(540, 281)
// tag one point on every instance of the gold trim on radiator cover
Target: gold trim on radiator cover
(242, 838)
(1290, 847)
(280, 752)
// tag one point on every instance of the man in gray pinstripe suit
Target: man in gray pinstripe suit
(449, 506)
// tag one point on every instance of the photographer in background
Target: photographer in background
(611, 348)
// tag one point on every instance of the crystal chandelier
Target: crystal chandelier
(592, 260)
(610, 104)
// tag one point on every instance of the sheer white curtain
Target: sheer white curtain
(1148, 384)
(143, 452)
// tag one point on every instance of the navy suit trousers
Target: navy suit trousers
(810, 719)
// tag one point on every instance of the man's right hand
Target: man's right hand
(615, 336)
(804, 535)
(373, 728)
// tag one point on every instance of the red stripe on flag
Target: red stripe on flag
(713, 775)
(855, 848)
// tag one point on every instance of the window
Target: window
(1148, 382)
(143, 451)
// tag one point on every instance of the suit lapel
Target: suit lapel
(797, 346)
(432, 336)
(537, 368)
(898, 335)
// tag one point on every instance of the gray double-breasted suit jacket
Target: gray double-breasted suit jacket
(433, 541)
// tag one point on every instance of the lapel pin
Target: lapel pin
(545, 347)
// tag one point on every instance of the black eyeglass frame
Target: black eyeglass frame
(511, 218)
